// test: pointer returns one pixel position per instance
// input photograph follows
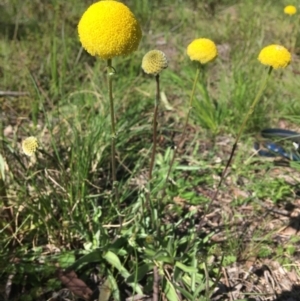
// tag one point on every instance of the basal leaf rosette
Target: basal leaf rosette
(154, 62)
(275, 56)
(202, 50)
(108, 29)
(290, 10)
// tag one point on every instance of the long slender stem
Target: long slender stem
(249, 113)
(157, 97)
(110, 74)
(185, 126)
(294, 34)
(152, 160)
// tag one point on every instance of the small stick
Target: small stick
(13, 93)
(155, 284)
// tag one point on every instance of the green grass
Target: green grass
(64, 214)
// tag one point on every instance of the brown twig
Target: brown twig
(228, 284)
(155, 284)
(13, 93)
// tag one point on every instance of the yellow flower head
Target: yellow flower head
(108, 29)
(154, 62)
(30, 145)
(202, 50)
(275, 56)
(290, 10)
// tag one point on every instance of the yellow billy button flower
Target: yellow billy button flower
(30, 145)
(202, 50)
(290, 10)
(108, 29)
(154, 62)
(275, 56)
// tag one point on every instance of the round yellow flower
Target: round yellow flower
(154, 62)
(108, 29)
(202, 50)
(30, 145)
(290, 10)
(275, 56)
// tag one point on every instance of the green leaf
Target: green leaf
(177, 274)
(185, 268)
(185, 293)
(164, 256)
(170, 291)
(106, 289)
(200, 289)
(114, 260)
(118, 243)
(114, 287)
(138, 275)
(199, 278)
(94, 256)
(161, 255)
(66, 259)
(150, 253)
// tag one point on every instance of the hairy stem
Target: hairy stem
(110, 74)
(157, 98)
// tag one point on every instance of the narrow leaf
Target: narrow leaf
(114, 260)
(114, 287)
(138, 275)
(185, 293)
(170, 291)
(186, 268)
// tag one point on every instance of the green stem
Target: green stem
(249, 113)
(181, 140)
(191, 102)
(157, 97)
(110, 74)
(294, 34)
